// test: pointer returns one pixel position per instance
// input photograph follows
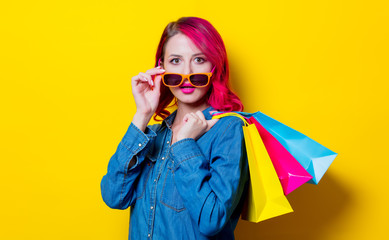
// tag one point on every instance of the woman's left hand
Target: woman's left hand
(195, 125)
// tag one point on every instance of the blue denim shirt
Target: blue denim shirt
(186, 190)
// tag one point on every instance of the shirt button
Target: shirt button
(148, 235)
(163, 158)
(155, 180)
(140, 144)
(167, 142)
(151, 207)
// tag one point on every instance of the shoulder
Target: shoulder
(230, 121)
(228, 126)
(226, 137)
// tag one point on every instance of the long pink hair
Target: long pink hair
(207, 40)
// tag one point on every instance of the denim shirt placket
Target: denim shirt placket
(160, 165)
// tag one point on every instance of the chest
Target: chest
(159, 157)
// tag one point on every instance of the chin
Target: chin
(191, 100)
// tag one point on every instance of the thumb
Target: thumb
(211, 123)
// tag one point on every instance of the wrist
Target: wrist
(141, 120)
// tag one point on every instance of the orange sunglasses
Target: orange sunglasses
(195, 79)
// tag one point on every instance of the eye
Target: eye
(175, 60)
(199, 60)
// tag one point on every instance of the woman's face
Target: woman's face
(182, 56)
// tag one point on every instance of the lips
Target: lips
(185, 88)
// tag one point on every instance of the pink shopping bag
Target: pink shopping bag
(291, 174)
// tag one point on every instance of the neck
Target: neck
(183, 109)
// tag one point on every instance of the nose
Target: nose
(187, 70)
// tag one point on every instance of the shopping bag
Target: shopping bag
(291, 174)
(265, 197)
(314, 157)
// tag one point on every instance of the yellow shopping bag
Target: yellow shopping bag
(265, 197)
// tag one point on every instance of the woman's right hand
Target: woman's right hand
(146, 92)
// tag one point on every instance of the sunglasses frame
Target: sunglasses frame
(187, 76)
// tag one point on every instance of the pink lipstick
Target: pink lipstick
(187, 88)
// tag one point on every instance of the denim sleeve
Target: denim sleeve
(118, 185)
(211, 188)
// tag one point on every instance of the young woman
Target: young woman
(185, 178)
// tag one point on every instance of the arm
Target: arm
(117, 186)
(211, 189)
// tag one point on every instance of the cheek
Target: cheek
(208, 87)
(204, 90)
(174, 90)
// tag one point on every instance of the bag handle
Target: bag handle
(231, 114)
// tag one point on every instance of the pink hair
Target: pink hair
(208, 40)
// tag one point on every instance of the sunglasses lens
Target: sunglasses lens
(199, 80)
(172, 79)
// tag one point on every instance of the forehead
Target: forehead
(180, 44)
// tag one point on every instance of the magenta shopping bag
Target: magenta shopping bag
(291, 174)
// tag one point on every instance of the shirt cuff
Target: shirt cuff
(184, 150)
(136, 142)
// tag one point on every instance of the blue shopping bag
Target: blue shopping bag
(313, 156)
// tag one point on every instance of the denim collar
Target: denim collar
(169, 120)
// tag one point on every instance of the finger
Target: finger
(200, 115)
(142, 79)
(155, 71)
(185, 118)
(138, 79)
(212, 112)
(157, 83)
(194, 116)
(147, 77)
(211, 123)
(190, 117)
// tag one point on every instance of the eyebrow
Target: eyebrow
(176, 55)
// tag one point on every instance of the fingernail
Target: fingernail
(159, 67)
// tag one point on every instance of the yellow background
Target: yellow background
(320, 67)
